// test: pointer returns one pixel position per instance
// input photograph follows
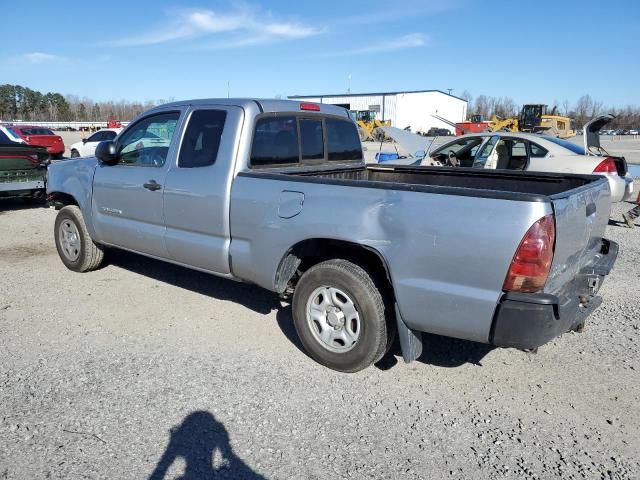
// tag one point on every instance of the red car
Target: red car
(42, 137)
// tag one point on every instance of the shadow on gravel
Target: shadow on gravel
(203, 443)
(438, 351)
(15, 203)
(441, 352)
(251, 296)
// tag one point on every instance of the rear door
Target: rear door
(198, 188)
(581, 217)
(127, 197)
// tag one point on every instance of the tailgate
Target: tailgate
(581, 215)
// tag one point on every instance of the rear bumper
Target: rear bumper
(528, 320)
(628, 187)
(55, 149)
(11, 187)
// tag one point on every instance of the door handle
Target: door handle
(152, 185)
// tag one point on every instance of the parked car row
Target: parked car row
(621, 131)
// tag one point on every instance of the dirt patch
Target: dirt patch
(22, 253)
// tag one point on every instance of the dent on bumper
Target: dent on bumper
(529, 320)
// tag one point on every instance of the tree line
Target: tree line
(22, 103)
(582, 111)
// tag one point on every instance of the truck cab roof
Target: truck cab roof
(263, 105)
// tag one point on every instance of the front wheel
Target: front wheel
(340, 317)
(74, 153)
(76, 248)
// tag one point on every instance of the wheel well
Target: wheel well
(308, 253)
(59, 200)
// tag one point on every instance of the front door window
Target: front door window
(146, 143)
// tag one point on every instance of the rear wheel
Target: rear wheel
(340, 317)
(76, 248)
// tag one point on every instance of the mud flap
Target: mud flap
(410, 340)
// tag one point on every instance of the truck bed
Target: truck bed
(460, 181)
(448, 235)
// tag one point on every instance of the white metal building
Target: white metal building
(413, 109)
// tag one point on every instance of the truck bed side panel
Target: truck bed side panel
(447, 255)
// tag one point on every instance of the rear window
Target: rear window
(36, 131)
(287, 140)
(312, 139)
(537, 151)
(343, 142)
(568, 145)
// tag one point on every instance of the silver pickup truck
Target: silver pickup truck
(276, 193)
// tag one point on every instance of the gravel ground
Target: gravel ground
(147, 370)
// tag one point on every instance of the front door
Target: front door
(127, 197)
(198, 188)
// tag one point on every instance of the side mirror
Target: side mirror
(84, 140)
(106, 152)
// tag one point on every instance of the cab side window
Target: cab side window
(201, 140)
(146, 144)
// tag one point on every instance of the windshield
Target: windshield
(568, 145)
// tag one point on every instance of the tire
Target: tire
(74, 153)
(341, 280)
(75, 247)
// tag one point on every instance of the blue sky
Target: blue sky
(537, 51)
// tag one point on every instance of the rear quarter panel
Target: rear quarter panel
(447, 255)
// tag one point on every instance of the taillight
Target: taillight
(608, 165)
(531, 264)
(314, 107)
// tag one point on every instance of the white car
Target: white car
(87, 147)
(537, 153)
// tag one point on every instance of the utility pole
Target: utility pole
(349, 84)
(228, 89)
(449, 90)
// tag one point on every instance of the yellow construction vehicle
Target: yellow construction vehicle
(535, 118)
(367, 125)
